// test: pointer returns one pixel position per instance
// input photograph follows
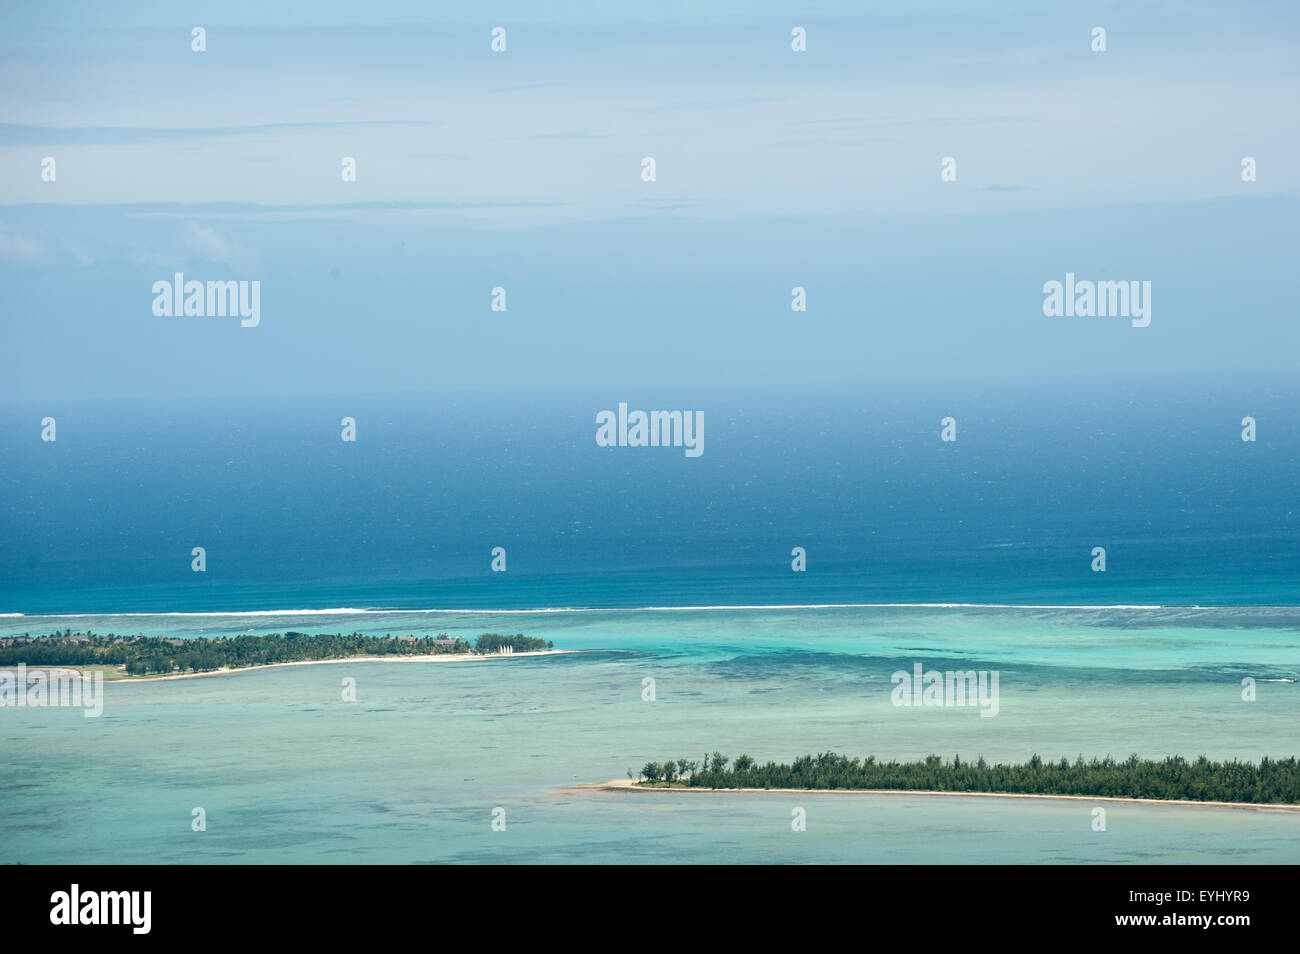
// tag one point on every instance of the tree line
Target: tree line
(1270, 781)
(495, 642)
(148, 655)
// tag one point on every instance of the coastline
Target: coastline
(628, 785)
(439, 657)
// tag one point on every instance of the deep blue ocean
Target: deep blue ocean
(103, 520)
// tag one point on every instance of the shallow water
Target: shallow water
(410, 772)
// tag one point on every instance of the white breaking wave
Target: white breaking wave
(339, 611)
(473, 611)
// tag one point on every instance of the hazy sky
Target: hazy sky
(522, 169)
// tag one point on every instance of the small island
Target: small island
(153, 657)
(1270, 782)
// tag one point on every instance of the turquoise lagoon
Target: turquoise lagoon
(286, 771)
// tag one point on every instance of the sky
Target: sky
(522, 170)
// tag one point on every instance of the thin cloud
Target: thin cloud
(21, 134)
(19, 249)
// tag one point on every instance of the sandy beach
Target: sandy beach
(628, 785)
(439, 657)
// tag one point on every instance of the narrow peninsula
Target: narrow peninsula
(1270, 783)
(151, 657)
